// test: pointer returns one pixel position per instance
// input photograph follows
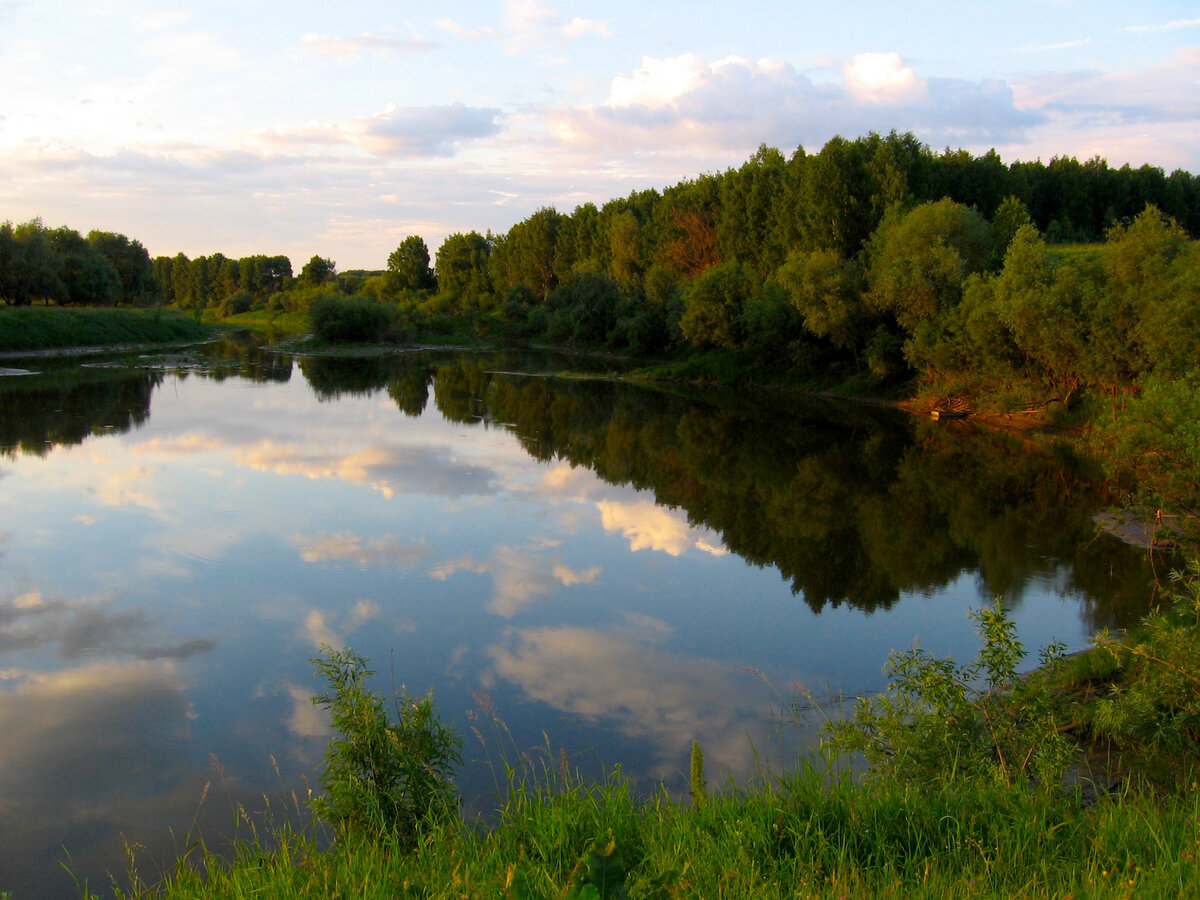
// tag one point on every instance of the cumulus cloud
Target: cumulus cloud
(395, 132)
(348, 48)
(531, 25)
(882, 78)
(325, 628)
(688, 102)
(1138, 115)
(319, 633)
(460, 564)
(79, 729)
(578, 27)
(650, 527)
(450, 26)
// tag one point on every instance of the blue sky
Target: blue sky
(308, 127)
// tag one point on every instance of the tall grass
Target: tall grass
(807, 835)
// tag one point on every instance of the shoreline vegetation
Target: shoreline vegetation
(1060, 299)
(1075, 780)
(65, 331)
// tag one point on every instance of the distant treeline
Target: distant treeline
(875, 253)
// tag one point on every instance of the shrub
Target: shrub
(382, 777)
(935, 724)
(351, 319)
(1157, 705)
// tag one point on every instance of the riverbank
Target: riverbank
(1078, 779)
(44, 328)
(799, 836)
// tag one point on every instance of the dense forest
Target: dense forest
(1014, 285)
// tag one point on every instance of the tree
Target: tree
(526, 255)
(408, 266)
(1142, 263)
(920, 259)
(585, 307)
(318, 270)
(132, 264)
(89, 277)
(462, 267)
(1010, 215)
(713, 304)
(30, 267)
(1045, 311)
(827, 290)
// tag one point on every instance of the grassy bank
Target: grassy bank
(1079, 780)
(48, 328)
(798, 837)
(279, 321)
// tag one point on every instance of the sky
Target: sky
(309, 128)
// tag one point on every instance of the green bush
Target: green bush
(382, 778)
(348, 320)
(1156, 705)
(938, 722)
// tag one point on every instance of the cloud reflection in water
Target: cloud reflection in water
(626, 680)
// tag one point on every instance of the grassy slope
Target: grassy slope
(47, 328)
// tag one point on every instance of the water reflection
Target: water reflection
(850, 504)
(37, 414)
(605, 561)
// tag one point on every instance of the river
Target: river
(580, 569)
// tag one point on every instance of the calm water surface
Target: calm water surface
(608, 569)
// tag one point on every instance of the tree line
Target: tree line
(876, 254)
(62, 266)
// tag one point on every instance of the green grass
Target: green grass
(283, 321)
(48, 328)
(806, 835)
(1080, 252)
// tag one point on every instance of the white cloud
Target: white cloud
(318, 632)
(129, 488)
(348, 48)
(1128, 115)
(631, 683)
(468, 34)
(578, 27)
(389, 470)
(569, 577)
(424, 130)
(686, 106)
(396, 132)
(1174, 25)
(306, 719)
(659, 82)
(461, 564)
(882, 78)
(650, 527)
